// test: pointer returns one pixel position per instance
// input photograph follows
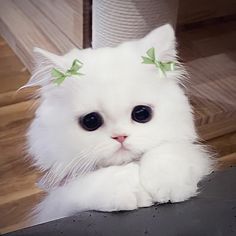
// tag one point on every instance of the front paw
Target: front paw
(163, 192)
(169, 177)
(120, 189)
(121, 201)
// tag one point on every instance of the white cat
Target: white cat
(119, 137)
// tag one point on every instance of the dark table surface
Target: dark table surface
(212, 212)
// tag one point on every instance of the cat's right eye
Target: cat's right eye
(91, 121)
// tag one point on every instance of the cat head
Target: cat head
(115, 112)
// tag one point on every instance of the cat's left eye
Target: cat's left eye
(142, 113)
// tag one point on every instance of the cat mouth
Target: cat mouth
(122, 148)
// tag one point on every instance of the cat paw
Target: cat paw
(125, 201)
(122, 191)
(168, 179)
(166, 186)
(131, 200)
(172, 192)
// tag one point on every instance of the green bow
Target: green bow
(163, 66)
(60, 76)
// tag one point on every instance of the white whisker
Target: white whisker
(83, 163)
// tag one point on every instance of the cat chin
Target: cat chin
(119, 157)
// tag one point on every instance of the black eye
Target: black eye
(142, 114)
(91, 121)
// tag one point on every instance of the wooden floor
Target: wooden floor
(18, 193)
(209, 52)
(55, 25)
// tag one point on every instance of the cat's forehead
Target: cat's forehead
(111, 101)
(115, 78)
(113, 94)
(119, 70)
(114, 65)
(110, 60)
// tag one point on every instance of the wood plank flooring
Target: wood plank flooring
(55, 25)
(18, 193)
(209, 53)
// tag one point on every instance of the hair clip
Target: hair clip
(60, 76)
(162, 66)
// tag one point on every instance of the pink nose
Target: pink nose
(120, 138)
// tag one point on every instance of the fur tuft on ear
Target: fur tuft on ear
(44, 63)
(163, 40)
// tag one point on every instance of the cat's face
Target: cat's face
(118, 110)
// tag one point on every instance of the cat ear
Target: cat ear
(44, 63)
(163, 40)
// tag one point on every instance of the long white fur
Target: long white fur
(163, 163)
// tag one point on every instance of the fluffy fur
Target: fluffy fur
(86, 170)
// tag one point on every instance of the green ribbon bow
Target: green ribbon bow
(60, 76)
(163, 66)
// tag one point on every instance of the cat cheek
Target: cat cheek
(140, 144)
